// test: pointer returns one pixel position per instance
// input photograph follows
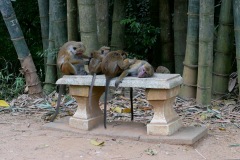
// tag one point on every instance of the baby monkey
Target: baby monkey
(113, 64)
(162, 69)
(140, 69)
(94, 67)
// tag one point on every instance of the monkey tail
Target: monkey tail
(105, 101)
(91, 90)
(61, 88)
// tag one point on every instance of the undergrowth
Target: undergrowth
(10, 85)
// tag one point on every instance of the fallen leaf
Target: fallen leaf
(151, 152)
(234, 145)
(3, 103)
(126, 110)
(96, 143)
(222, 129)
(42, 146)
(117, 109)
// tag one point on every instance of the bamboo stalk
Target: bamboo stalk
(205, 58)
(189, 86)
(72, 20)
(28, 68)
(43, 6)
(88, 25)
(51, 71)
(167, 54)
(236, 15)
(102, 21)
(117, 39)
(180, 32)
(224, 49)
(60, 25)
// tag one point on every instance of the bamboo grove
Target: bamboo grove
(198, 39)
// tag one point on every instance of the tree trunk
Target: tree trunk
(60, 22)
(224, 49)
(43, 6)
(166, 52)
(236, 15)
(51, 72)
(72, 20)
(117, 39)
(206, 32)
(102, 21)
(28, 67)
(88, 25)
(180, 32)
(190, 71)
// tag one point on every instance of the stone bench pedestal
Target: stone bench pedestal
(161, 90)
(86, 117)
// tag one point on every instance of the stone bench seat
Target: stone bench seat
(161, 90)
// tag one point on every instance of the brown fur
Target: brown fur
(70, 58)
(140, 69)
(162, 69)
(113, 64)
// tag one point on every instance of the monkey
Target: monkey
(70, 58)
(70, 62)
(162, 69)
(94, 66)
(140, 69)
(113, 64)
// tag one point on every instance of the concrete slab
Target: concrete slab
(133, 131)
(157, 81)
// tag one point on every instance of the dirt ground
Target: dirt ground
(23, 137)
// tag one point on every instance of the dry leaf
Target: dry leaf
(222, 129)
(3, 103)
(96, 143)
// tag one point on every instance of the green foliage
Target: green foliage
(28, 18)
(11, 85)
(141, 36)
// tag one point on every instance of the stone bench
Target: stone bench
(161, 90)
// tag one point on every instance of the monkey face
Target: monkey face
(79, 48)
(94, 54)
(144, 72)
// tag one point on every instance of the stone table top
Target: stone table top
(158, 81)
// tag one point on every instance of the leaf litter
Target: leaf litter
(221, 112)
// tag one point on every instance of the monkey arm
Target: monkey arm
(98, 69)
(68, 69)
(126, 63)
(120, 78)
(77, 61)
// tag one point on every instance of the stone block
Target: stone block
(85, 124)
(161, 94)
(79, 91)
(164, 128)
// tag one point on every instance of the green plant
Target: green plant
(10, 85)
(141, 36)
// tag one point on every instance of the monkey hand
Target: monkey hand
(133, 60)
(117, 82)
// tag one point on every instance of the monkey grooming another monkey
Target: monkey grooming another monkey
(70, 62)
(113, 64)
(94, 67)
(140, 69)
(70, 58)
